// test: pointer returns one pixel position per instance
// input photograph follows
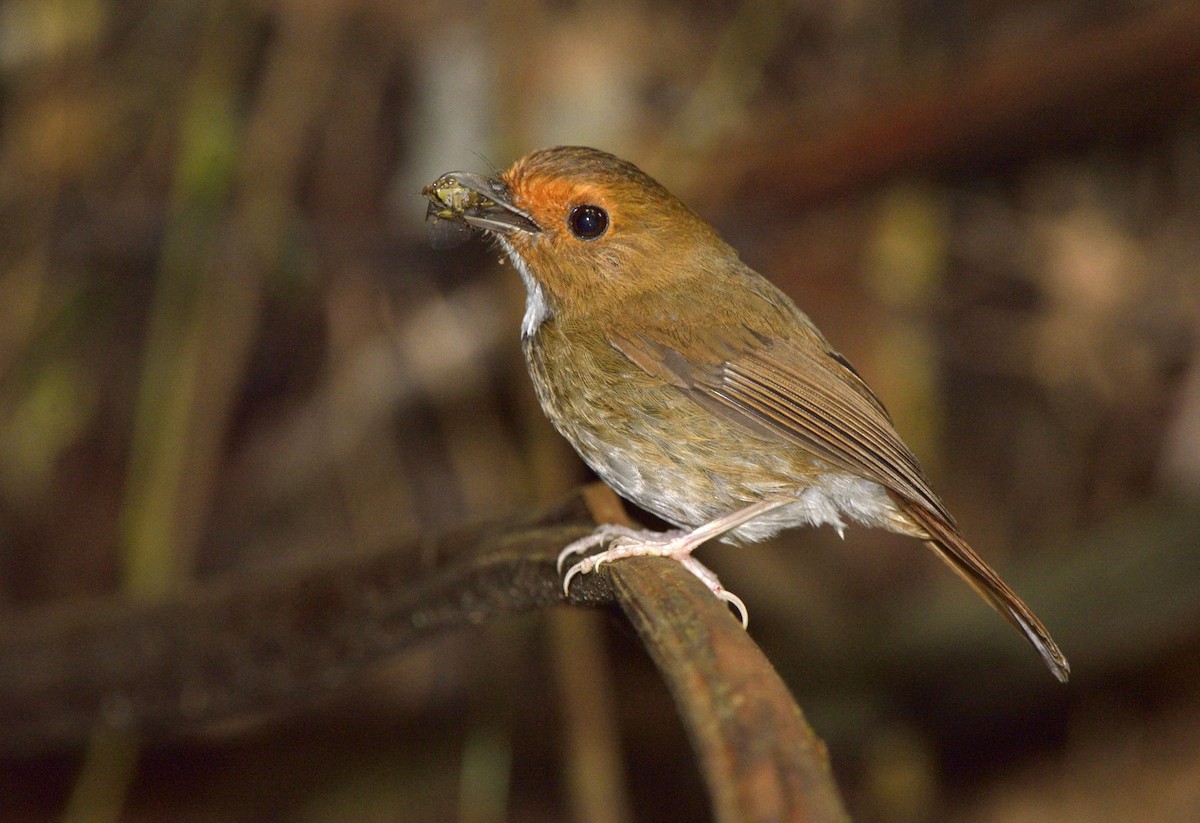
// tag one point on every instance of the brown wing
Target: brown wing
(806, 394)
(802, 391)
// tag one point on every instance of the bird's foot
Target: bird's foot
(622, 542)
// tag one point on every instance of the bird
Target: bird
(688, 382)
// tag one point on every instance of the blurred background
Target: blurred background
(226, 344)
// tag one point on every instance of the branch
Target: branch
(284, 639)
(1108, 81)
(760, 758)
(274, 640)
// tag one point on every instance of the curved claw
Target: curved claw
(574, 570)
(578, 547)
(564, 554)
(735, 601)
(599, 537)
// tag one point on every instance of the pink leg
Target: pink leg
(678, 545)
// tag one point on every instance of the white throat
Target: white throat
(536, 307)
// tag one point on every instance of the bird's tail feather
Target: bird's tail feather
(945, 540)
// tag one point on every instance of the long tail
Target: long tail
(945, 540)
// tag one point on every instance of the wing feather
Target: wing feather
(797, 388)
(814, 400)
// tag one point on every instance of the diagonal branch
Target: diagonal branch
(274, 640)
(1104, 83)
(759, 756)
(282, 640)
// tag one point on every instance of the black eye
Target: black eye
(588, 222)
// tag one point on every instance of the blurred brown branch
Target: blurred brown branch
(269, 640)
(1104, 82)
(276, 641)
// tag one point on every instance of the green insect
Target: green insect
(449, 200)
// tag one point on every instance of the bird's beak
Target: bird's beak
(480, 202)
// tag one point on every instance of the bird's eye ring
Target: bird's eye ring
(588, 222)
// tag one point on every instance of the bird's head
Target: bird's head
(585, 229)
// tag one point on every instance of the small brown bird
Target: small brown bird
(688, 382)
